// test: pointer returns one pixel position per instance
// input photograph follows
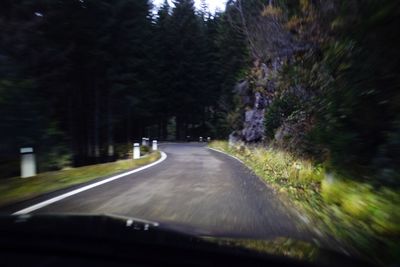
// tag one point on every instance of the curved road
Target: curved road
(196, 190)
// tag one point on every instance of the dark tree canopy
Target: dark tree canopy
(78, 79)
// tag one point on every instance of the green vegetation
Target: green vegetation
(17, 189)
(144, 150)
(280, 247)
(365, 219)
(326, 77)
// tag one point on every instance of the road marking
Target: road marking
(87, 187)
(241, 161)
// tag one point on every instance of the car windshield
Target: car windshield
(254, 123)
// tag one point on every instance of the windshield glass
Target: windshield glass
(255, 123)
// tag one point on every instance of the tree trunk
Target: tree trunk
(128, 125)
(96, 127)
(110, 127)
(178, 127)
(164, 127)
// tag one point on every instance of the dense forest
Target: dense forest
(79, 80)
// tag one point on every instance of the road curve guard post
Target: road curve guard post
(136, 151)
(208, 139)
(144, 141)
(200, 139)
(155, 145)
(28, 162)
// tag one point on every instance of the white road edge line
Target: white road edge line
(241, 161)
(87, 187)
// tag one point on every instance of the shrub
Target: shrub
(280, 109)
(144, 150)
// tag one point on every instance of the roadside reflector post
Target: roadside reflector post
(200, 139)
(155, 146)
(145, 141)
(208, 139)
(136, 151)
(28, 162)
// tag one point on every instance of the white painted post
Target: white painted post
(155, 146)
(28, 163)
(144, 141)
(200, 139)
(110, 150)
(136, 151)
(208, 139)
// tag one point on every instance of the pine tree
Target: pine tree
(185, 65)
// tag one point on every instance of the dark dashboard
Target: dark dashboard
(49, 240)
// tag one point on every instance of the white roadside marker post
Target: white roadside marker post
(155, 146)
(208, 139)
(136, 151)
(200, 139)
(28, 162)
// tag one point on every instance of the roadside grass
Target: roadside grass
(280, 246)
(364, 219)
(17, 189)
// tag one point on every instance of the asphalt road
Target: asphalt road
(196, 190)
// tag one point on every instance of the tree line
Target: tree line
(81, 80)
